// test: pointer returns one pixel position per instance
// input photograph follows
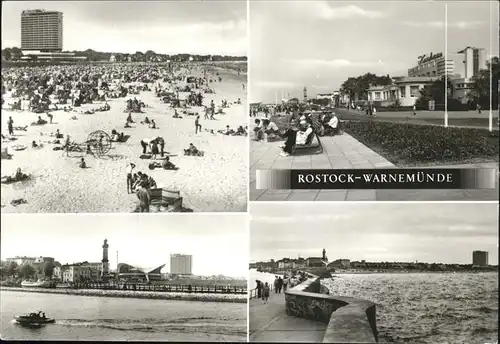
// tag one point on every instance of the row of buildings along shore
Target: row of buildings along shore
(479, 260)
(460, 68)
(180, 266)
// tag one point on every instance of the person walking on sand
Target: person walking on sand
(67, 143)
(10, 125)
(50, 116)
(265, 293)
(130, 171)
(144, 198)
(212, 109)
(197, 125)
(161, 142)
(276, 284)
(206, 112)
(144, 145)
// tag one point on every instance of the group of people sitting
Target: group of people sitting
(301, 130)
(116, 136)
(142, 179)
(192, 150)
(134, 105)
(240, 131)
(150, 122)
(156, 146)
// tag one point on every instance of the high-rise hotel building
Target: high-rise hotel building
(42, 31)
(181, 264)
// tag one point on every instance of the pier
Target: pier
(308, 313)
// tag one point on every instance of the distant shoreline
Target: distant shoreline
(135, 294)
(368, 272)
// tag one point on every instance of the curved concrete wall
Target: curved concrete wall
(349, 320)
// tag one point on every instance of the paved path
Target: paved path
(424, 114)
(270, 323)
(344, 152)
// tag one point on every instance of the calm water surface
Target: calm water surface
(105, 318)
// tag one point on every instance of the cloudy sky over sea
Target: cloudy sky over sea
(170, 27)
(430, 232)
(218, 243)
(320, 44)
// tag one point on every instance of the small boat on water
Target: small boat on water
(37, 284)
(33, 320)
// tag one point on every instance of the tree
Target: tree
(48, 269)
(12, 269)
(26, 271)
(434, 91)
(480, 86)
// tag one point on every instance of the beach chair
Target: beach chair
(171, 199)
(311, 146)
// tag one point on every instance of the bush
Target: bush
(411, 143)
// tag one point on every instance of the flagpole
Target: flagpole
(445, 65)
(490, 59)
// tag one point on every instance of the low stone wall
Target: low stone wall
(349, 319)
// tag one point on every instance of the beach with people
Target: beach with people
(74, 133)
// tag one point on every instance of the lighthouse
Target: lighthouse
(305, 94)
(105, 261)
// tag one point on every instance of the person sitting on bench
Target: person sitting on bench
(258, 130)
(270, 128)
(333, 124)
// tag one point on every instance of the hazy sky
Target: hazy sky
(204, 27)
(218, 243)
(320, 44)
(432, 232)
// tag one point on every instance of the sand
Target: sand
(216, 182)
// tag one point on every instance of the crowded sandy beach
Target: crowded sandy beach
(110, 137)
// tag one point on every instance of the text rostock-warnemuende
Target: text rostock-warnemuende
(346, 178)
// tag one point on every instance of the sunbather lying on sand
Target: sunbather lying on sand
(166, 165)
(8, 139)
(19, 176)
(39, 121)
(74, 118)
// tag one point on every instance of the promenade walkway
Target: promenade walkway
(270, 323)
(345, 152)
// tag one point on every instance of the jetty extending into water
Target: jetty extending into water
(140, 294)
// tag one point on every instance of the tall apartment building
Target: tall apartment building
(480, 258)
(181, 264)
(41, 30)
